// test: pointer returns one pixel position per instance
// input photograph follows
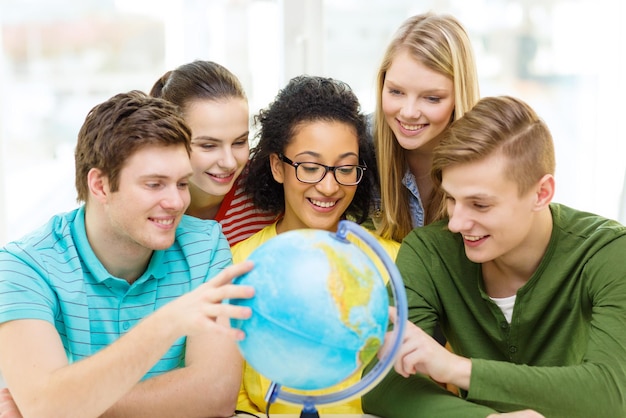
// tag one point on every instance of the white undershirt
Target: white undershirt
(506, 306)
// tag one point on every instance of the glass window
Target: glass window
(59, 58)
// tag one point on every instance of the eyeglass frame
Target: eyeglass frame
(327, 168)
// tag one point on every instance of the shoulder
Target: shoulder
(243, 249)
(228, 201)
(50, 243)
(583, 229)
(201, 242)
(239, 216)
(191, 229)
(586, 236)
(434, 234)
(431, 247)
(584, 224)
(39, 268)
(390, 246)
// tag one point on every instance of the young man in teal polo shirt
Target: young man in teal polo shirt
(115, 309)
(530, 294)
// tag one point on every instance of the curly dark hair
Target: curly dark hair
(306, 99)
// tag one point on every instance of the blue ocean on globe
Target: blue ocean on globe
(320, 310)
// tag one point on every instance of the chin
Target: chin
(218, 190)
(161, 244)
(315, 224)
(478, 257)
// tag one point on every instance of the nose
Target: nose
(227, 159)
(410, 109)
(328, 185)
(176, 199)
(458, 220)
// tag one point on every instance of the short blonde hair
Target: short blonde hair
(499, 124)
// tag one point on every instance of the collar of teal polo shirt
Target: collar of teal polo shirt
(156, 268)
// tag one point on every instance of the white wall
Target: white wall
(576, 81)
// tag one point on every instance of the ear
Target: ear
(98, 185)
(278, 168)
(544, 192)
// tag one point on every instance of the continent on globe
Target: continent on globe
(320, 310)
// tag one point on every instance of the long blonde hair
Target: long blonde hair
(440, 43)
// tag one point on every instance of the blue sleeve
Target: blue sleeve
(24, 292)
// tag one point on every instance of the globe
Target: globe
(320, 312)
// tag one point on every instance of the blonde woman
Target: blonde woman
(426, 80)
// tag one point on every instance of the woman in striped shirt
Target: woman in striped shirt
(215, 107)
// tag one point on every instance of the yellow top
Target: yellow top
(254, 386)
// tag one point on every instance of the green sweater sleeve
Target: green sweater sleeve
(581, 391)
(418, 396)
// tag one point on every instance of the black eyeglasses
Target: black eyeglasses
(311, 173)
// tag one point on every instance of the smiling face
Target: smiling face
(417, 102)
(219, 145)
(484, 206)
(320, 205)
(142, 215)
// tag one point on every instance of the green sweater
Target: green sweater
(564, 353)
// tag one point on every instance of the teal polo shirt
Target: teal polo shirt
(53, 274)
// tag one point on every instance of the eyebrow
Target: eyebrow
(477, 196)
(436, 90)
(156, 176)
(318, 155)
(213, 139)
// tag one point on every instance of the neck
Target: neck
(118, 256)
(419, 163)
(285, 225)
(203, 205)
(505, 275)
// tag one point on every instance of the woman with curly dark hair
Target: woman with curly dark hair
(313, 163)
(305, 103)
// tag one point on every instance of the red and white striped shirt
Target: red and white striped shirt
(239, 217)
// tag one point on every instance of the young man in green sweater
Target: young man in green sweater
(530, 294)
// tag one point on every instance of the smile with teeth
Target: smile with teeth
(412, 127)
(221, 176)
(323, 204)
(164, 221)
(473, 238)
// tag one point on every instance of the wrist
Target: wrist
(462, 373)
